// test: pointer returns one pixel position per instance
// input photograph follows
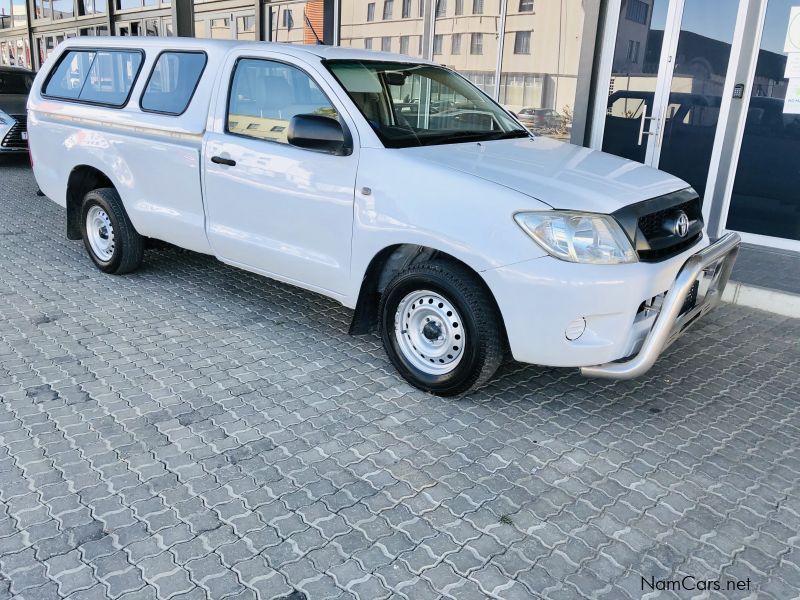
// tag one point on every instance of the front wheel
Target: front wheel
(108, 234)
(441, 328)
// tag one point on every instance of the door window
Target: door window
(173, 82)
(265, 95)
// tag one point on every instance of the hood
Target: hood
(14, 104)
(561, 175)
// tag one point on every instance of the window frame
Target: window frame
(194, 90)
(455, 44)
(66, 53)
(476, 36)
(522, 42)
(348, 138)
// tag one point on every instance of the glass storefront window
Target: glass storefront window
(5, 14)
(42, 9)
(20, 9)
(63, 9)
(220, 29)
(246, 27)
(685, 54)
(298, 22)
(764, 200)
(91, 7)
(15, 53)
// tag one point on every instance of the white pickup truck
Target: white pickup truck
(390, 184)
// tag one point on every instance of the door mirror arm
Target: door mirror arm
(320, 133)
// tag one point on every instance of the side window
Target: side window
(173, 81)
(265, 95)
(101, 76)
(111, 77)
(68, 77)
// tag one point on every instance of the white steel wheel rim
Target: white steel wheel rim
(429, 332)
(100, 232)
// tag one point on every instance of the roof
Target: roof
(224, 46)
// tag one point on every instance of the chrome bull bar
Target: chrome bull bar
(716, 262)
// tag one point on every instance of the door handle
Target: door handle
(223, 161)
(642, 132)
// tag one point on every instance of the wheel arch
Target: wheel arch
(82, 180)
(384, 266)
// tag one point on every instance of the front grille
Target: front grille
(13, 138)
(669, 251)
(652, 225)
(646, 224)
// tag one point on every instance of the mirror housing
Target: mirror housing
(321, 133)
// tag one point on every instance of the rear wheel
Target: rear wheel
(110, 239)
(440, 328)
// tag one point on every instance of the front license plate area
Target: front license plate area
(24, 135)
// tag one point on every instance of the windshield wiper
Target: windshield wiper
(475, 136)
(507, 135)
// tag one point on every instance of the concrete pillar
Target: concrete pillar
(183, 17)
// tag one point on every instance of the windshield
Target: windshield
(419, 105)
(15, 83)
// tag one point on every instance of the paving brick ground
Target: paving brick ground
(193, 431)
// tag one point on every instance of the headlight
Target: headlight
(578, 237)
(6, 122)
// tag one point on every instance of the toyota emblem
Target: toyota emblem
(680, 226)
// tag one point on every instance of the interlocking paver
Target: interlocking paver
(194, 431)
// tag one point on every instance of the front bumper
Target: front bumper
(709, 270)
(539, 299)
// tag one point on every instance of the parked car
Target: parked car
(460, 240)
(15, 83)
(540, 118)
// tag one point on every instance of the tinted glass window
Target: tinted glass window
(15, 83)
(265, 95)
(173, 81)
(67, 80)
(111, 77)
(101, 76)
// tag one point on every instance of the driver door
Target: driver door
(274, 208)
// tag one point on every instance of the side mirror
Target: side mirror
(317, 132)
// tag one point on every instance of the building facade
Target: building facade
(698, 88)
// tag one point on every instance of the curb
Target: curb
(752, 296)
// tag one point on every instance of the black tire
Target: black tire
(480, 320)
(128, 250)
